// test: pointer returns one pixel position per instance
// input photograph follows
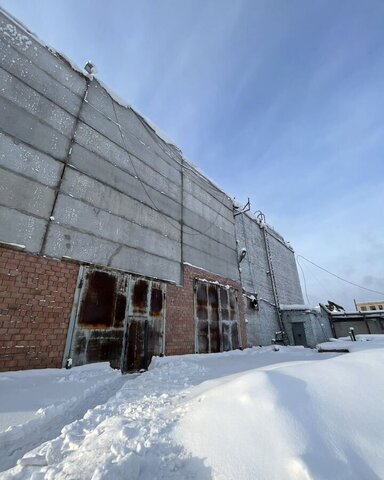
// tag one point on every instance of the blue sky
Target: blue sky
(278, 100)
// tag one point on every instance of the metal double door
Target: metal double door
(119, 318)
(217, 327)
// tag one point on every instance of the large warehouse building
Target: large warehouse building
(113, 246)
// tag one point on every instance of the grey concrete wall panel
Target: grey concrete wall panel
(43, 109)
(23, 69)
(87, 218)
(100, 100)
(195, 225)
(96, 142)
(118, 178)
(206, 212)
(21, 229)
(27, 161)
(96, 167)
(163, 204)
(317, 328)
(286, 274)
(146, 264)
(22, 125)
(208, 230)
(254, 267)
(27, 45)
(62, 241)
(212, 247)
(207, 194)
(321, 328)
(102, 196)
(220, 266)
(26, 195)
(157, 175)
(261, 325)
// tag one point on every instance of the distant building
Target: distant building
(370, 306)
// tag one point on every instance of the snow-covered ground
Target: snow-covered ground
(36, 404)
(258, 414)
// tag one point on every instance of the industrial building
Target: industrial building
(113, 246)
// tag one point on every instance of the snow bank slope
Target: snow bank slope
(36, 404)
(314, 420)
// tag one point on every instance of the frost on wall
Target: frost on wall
(263, 323)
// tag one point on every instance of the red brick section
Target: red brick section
(180, 322)
(36, 297)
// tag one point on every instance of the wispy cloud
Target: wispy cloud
(280, 101)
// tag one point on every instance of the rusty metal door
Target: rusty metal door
(144, 334)
(119, 318)
(98, 332)
(216, 318)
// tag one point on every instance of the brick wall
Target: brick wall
(180, 322)
(36, 297)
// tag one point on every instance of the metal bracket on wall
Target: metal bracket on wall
(246, 208)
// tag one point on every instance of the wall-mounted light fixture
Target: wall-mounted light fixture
(242, 255)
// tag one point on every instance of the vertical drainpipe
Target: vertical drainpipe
(273, 283)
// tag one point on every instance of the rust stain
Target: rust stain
(156, 301)
(97, 308)
(201, 294)
(139, 296)
(235, 336)
(226, 337)
(215, 337)
(105, 346)
(202, 336)
(121, 304)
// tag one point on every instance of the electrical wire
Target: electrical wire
(304, 280)
(338, 276)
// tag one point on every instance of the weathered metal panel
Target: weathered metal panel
(21, 229)
(216, 318)
(25, 195)
(98, 305)
(120, 320)
(145, 324)
(20, 158)
(99, 331)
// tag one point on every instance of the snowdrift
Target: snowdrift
(315, 420)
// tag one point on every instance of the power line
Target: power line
(340, 278)
(305, 282)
